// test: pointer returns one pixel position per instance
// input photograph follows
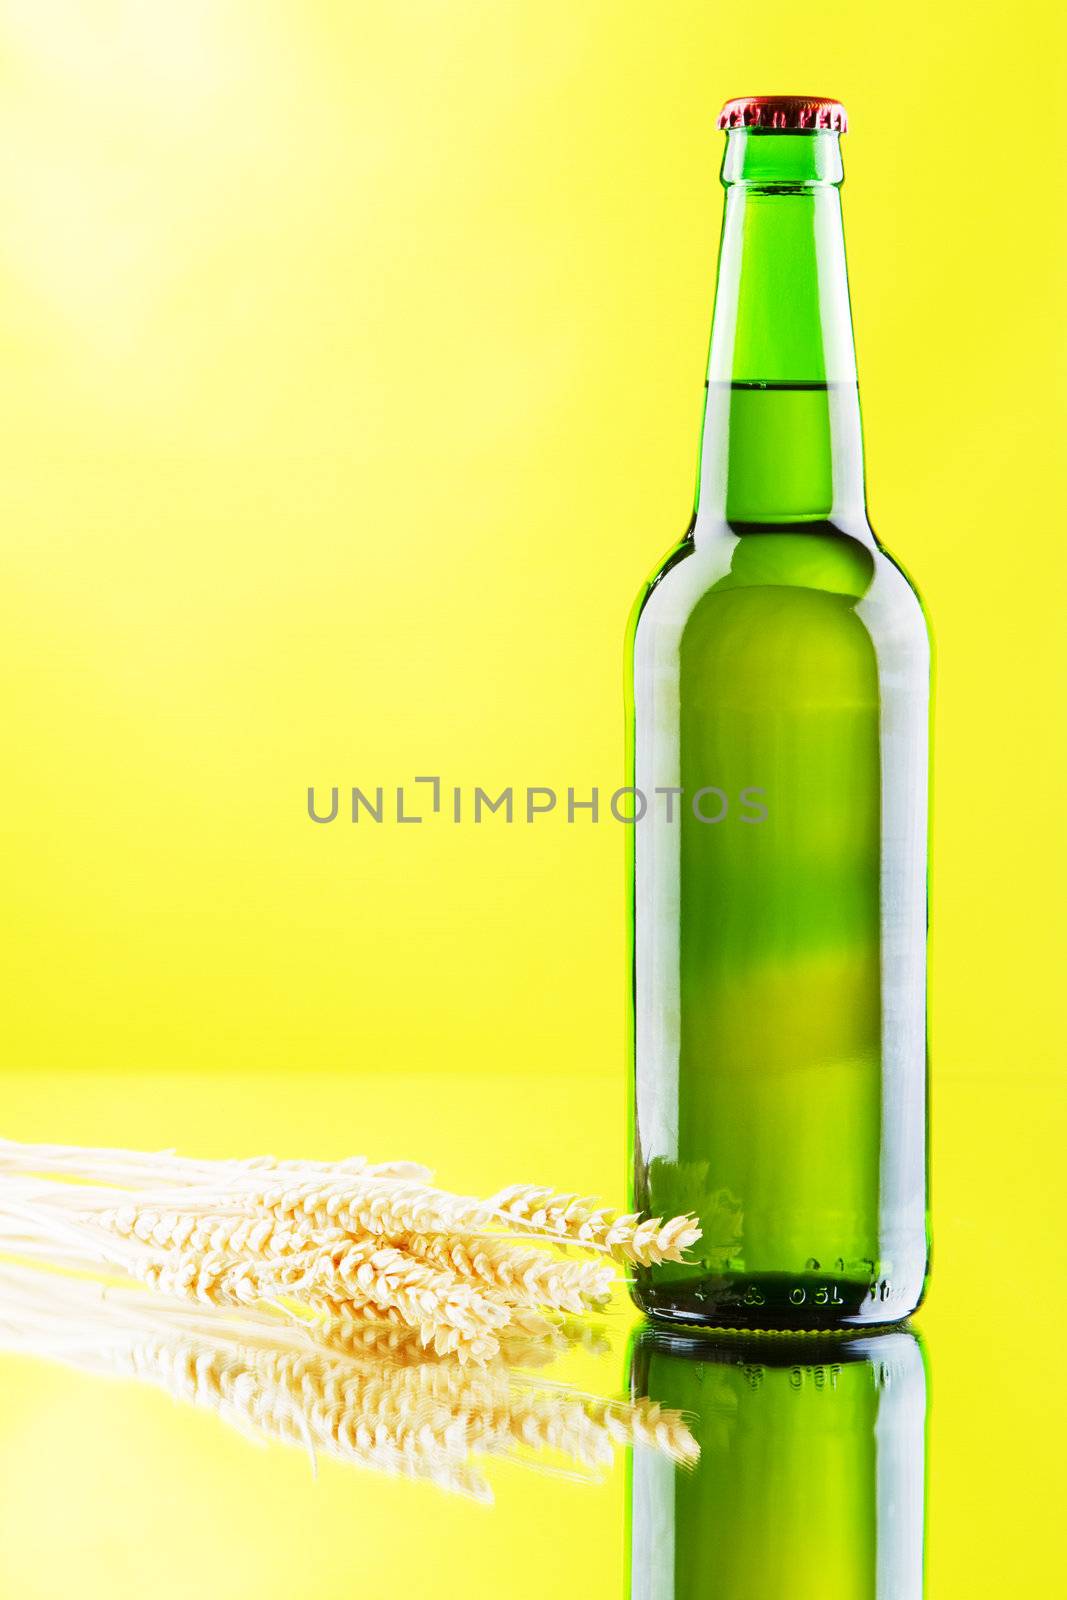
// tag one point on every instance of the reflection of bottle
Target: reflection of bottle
(779, 701)
(811, 1473)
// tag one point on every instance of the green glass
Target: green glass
(810, 1482)
(778, 694)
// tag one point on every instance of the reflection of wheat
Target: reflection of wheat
(359, 1391)
(374, 1242)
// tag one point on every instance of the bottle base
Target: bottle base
(773, 1302)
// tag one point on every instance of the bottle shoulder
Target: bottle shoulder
(764, 574)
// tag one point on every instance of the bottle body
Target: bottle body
(810, 1481)
(779, 978)
(778, 688)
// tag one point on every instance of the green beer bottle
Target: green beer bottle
(811, 1475)
(778, 693)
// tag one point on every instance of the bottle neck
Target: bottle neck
(781, 446)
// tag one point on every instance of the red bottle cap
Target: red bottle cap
(790, 113)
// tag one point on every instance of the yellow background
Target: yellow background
(351, 365)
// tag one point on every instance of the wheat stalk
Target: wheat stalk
(526, 1277)
(343, 1241)
(388, 1198)
(132, 1169)
(453, 1314)
(395, 1208)
(580, 1220)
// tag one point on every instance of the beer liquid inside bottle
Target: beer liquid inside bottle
(810, 1481)
(778, 689)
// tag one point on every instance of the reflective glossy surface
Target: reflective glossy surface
(112, 1488)
(811, 1476)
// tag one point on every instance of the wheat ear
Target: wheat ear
(527, 1277)
(577, 1219)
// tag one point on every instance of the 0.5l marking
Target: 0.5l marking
(823, 1295)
